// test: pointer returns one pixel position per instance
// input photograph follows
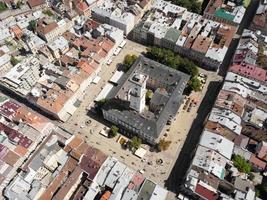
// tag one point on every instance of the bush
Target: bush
(32, 25)
(14, 60)
(251, 176)
(2, 6)
(113, 131)
(241, 164)
(48, 12)
(135, 142)
(194, 84)
(129, 61)
(163, 145)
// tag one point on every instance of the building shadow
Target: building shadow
(178, 173)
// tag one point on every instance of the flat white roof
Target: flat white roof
(104, 92)
(159, 193)
(113, 176)
(211, 161)
(96, 79)
(116, 77)
(141, 152)
(218, 143)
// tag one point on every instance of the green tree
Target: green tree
(99, 104)
(169, 58)
(48, 12)
(14, 60)
(2, 6)
(135, 142)
(194, 84)
(163, 145)
(32, 25)
(241, 164)
(19, 4)
(129, 61)
(191, 5)
(113, 131)
(149, 94)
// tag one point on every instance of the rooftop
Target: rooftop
(217, 143)
(151, 122)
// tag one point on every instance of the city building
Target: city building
(260, 19)
(189, 34)
(230, 12)
(120, 14)
(23, 76)
(21, 133)
(76, 170)
(127, 106)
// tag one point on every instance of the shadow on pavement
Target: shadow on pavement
(181, 166)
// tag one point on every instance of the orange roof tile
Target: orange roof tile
(85, 66)
(20, 150)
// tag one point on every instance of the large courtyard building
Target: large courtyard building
(133, 112)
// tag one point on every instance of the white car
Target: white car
(109, 61)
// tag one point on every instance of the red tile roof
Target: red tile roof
(86, 67)
(9, 108)
(34, 3)
(15, 136)
(92, 161)
(11, 158)
(206, 193)
(257, 162)
(43, 27)
(83, 6)
(250, 71)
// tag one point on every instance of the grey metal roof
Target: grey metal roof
(160, 76)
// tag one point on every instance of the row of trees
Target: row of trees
(173, 60)
(136, 142)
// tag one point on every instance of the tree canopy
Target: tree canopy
(129, 61)
(169, 58)
(163, 145)
(32, 25)
(135, 142)
(14, 60)
(48, 12)
(261, 190)
(194, 84)
(191, 5)
(2, 6)
(241, 164)
(113, 131)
